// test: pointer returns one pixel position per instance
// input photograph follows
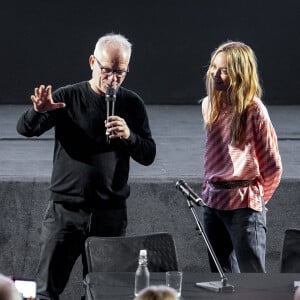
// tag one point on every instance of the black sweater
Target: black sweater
(86, 169)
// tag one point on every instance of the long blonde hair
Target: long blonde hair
(244, 86)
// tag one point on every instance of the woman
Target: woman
(242, 165)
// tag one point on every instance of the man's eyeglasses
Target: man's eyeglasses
(109, 71)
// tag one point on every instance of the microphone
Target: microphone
(189, 193)
(110, 98)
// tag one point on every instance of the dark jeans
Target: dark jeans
(238, 238)
(64, 231)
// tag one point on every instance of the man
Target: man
(91, 159)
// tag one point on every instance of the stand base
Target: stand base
(216, 286)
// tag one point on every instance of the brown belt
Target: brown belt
(232, 184)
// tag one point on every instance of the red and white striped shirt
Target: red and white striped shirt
(258, 158)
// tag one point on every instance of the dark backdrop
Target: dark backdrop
(50, 41)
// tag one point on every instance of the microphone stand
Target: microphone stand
(215, 286)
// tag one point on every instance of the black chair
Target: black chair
(290, 254)
(120, 254)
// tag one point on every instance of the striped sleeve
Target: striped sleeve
(267, 152)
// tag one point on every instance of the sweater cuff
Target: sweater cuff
(32, 114)
(132, 139)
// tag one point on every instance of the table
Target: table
(254, 286)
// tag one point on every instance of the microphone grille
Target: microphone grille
(179, 182)
(110, 92)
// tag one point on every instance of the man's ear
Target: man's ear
(92, 61)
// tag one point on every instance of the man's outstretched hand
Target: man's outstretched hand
(42, 99)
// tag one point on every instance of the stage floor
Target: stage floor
(177, 130)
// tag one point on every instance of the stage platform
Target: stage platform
(154, 204)
(177, 130)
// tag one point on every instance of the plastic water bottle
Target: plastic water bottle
(142, 274)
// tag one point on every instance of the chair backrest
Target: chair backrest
(290, 254)
(120, 254)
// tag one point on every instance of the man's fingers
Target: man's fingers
(48, 90)
(41, 90)
(33, 98)
(117, 127)
(36, 92)
(58, 105)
